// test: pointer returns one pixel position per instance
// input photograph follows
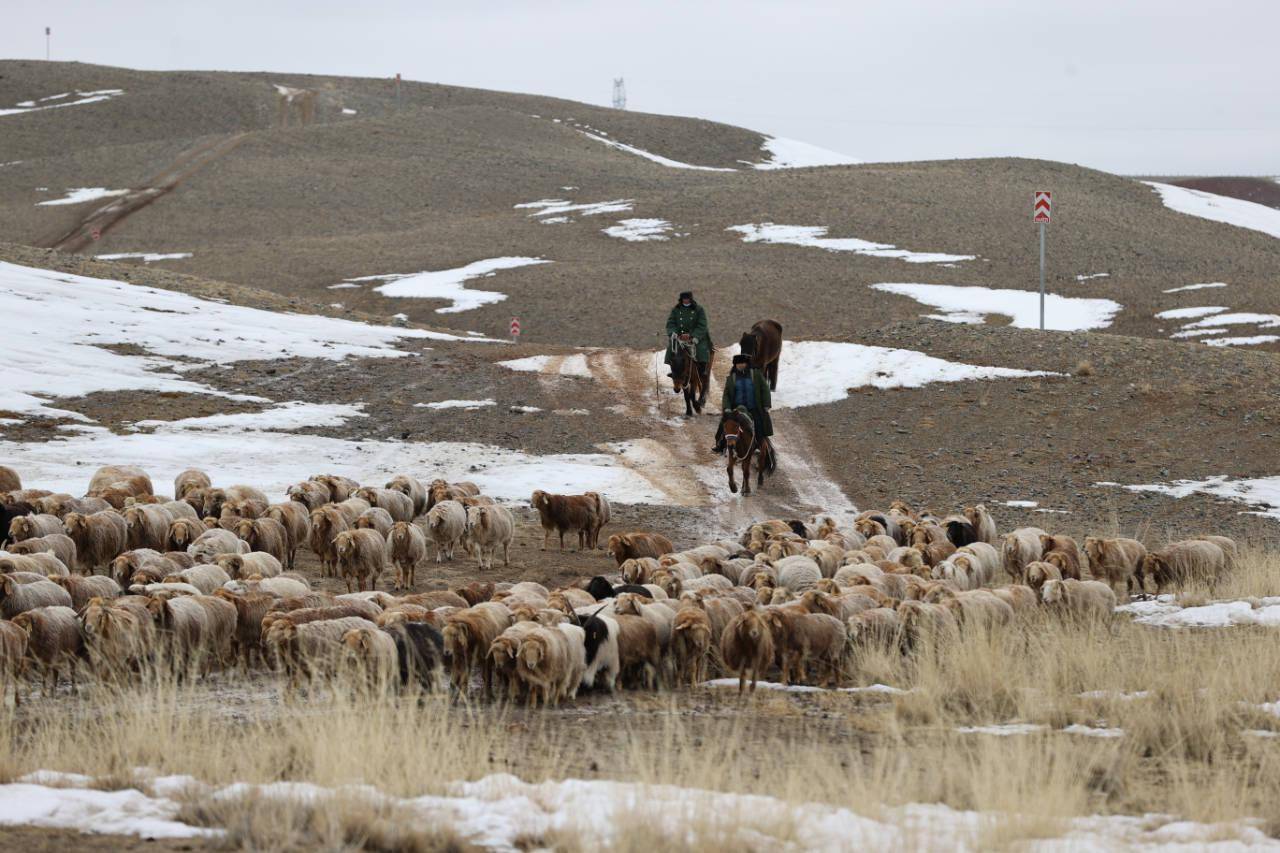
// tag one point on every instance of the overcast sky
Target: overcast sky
(1131, 86)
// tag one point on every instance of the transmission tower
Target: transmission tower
(619, 94)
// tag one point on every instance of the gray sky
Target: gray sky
(1137, 87)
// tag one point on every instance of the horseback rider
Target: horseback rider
(745, 387)
(687, 323)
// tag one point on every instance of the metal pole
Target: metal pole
(47, 33)
(1042, 276)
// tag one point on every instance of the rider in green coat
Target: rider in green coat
(688, 322)
(746, 387)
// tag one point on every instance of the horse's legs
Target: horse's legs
(733, 461)
(762, 463)
(746, 475)
(688, 402)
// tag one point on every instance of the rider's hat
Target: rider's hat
(741, 359)
(686, 294)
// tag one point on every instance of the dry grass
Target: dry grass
(1184, 751)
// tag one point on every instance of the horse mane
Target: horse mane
(742, 420)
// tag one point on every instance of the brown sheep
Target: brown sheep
(396, 503)
(82, 589)
(251, 609)
(488, 529)
(639, 649)
(691, 638)
(58, 544)
(257, 563)
(747, 647)
(411, 488)
(447, 526)
(1086, 602)
(1069, 559)
(9, 479)
(398, 613)
(467, 636)
(566, 513)
(188, 481)
(266, 535)
(821, 638)
(118, 635)
(361, 554)
(301, 602)
(407, 547)
(340, 488)
(310, 494)
(53, 640)
(182, 532)
(32, 526)
(1116, 562)
(326, 523)
(372, 653)
(99, 538)
(147, 526)
(476, 592)
(13, 651)
(440, 490)
(1019, 548)
(1181, 562)
(376, 518)
(979, 609)
(923, 622)
(1039, 572)
(109, 475)
(215, 498)
(551, 662)
(312, 649)
(18, 597)
(1227, 544)
(1023, 599)
(60, 505)
(127, 564)
(296, 521)
(625, 546)
(42, 563)
(503, 653)
(208, 545)
(876, 628)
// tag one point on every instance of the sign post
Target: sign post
(515, 328)
(1041, 210)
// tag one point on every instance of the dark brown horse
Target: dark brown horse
(764, 344)
(740, 438)
(686, 378)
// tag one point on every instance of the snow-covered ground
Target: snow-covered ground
(281, 417)
(1243, 341)
(448, 284)
(794, 154)
(550, 210)
(1084, 277)
(1261, 492)
(145, 257)
(815, 236)
(649, 155)
(1208, 321)
(971, 304)
(501, 812)
(80, 195)
(56, 325)
(1165, 611)
(640, 230)
(1206, 286)
(1220, 208)
(456, 404)
(53, 102)
(567, 365)
(1190, 313)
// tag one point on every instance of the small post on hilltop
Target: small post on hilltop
(397, 90)
(1041, 211)
(48, 31)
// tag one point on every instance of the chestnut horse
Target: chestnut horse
(764, 344)
(686, 378)
(740, 438)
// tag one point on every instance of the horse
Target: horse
(764, 345)
(686, 378)
(740, 438)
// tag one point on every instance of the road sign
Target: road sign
(515, 327)
(96, 233)
(1042, 206)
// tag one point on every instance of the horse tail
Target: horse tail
(771, 459)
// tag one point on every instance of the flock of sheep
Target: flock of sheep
(205, 580)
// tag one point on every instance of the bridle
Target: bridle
(731, 442)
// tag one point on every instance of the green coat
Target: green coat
(763, 399)
(690, 321)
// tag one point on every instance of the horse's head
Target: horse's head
(682, 366)
(748, 343)
(735, 433)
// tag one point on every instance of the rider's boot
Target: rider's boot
(719, 446)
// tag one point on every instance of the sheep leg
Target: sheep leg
(506, 553)
(742, 680)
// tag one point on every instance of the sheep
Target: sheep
(147, 526)
(251, 610)
(446, 525)
(207, 577)
(361, 554)
(60, 505)
(1181, 562)
(313, 649)
(819, 637)
(875, 628)
(109, 475)
(309, 494)
(183, 532)
(82, 589)
(215, 498)
(440, 490)
(376, 518)
(566, 513)
(373, 653)
(747, 647)
(125, 566)
(420, 651)
(828, 557)
(489, 528)
(258, 563)
(403, 613)
(58, 544)
(99, 538)
(600, 639)
(190, 480)
(296, 521)
(979, 608)
(13, 650)
(411, 488)
(340, 488)
(503, 653)
(399, 505)
(551, 662)
(625, 546)
(476, 592)
(208, 545)
(117, 635)
(467, 636)
(691, 638)
(18, 597)
(798, 573)
(1086, 602)
(1023, 599)
(439, 598)
(162, 590)
(924, 622)
(639, 650)
(638, 570)
(53, 640)
(31, 526)
(1228, 546)
(662, 618)
(603, 513)
(299, 602)
(1019, 548)
(1115, 561)
(300, 616)
(326, 523)
(407, 547)
(9, 479)
(265, 534)
(1039, 572)
(1062, 552)
(281, 587)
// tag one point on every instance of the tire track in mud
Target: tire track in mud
(675, 454)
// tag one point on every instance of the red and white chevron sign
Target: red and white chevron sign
(515, 327)
(1042, 207)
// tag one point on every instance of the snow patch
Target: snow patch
(1165, 612)
(557, 207)
(80, 195)
(1207, 286)
(470, 405)
(81, 98)
(883, 689)
(648, 155)
(1094, 275)
(815, 236)
(284, 417)
(448, 285)
(1219, 208)
(1190, 313)
(1022, 504)
(639, 230)
(347, 111)
(125, 812)
(1262, 492)
(1247, 341)
(552, 365)
(960, 303)
(793, 154)
(145, 257)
